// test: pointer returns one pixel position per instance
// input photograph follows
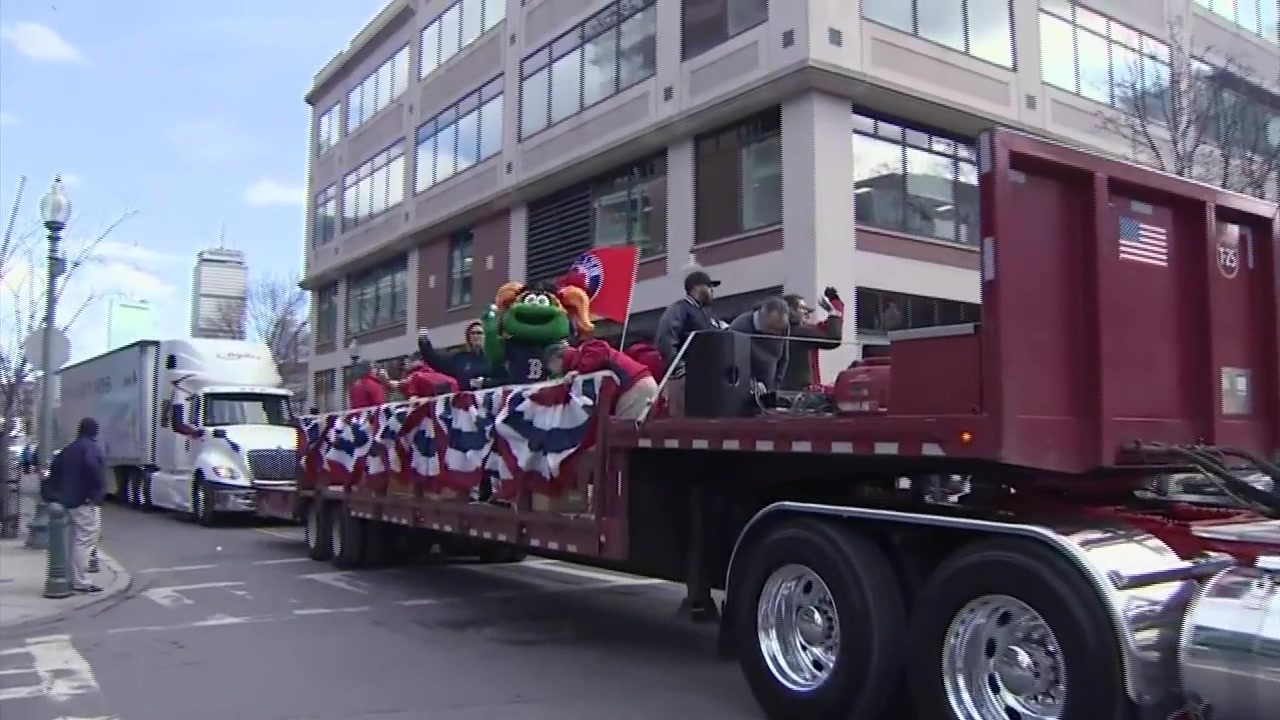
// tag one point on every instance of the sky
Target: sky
(182, 117)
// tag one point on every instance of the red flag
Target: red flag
(608, 275)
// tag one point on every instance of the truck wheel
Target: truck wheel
(202, 506)
(998, 631)
(316, 531)
(818, 616)
(129, 490)
(144, 493)
(348, 539)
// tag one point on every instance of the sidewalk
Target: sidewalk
(22, 576)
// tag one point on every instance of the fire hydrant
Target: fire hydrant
(57, 583)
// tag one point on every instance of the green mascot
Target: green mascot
(525, 326)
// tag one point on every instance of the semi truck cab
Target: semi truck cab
(226, 427)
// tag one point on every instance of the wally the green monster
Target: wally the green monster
(524, 325)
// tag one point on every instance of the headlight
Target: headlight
(225, 473)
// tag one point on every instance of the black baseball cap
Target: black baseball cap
(698, 277)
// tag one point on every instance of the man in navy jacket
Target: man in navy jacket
(78, 478)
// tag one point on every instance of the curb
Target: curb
(122, 583)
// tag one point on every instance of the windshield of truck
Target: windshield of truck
(246, 409)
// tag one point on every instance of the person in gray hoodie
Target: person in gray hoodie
(769, 355)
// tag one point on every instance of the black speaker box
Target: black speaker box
(717, 375)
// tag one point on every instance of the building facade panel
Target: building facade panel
(826, 194)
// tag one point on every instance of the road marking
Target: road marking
(341, 580)
(331, 611)
(63, 671)
(172, 596)
(211, 621)
(19, 671)
(95, 717)
(175, 568)
(280, 534)
(282, 561)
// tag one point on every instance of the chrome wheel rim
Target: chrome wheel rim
(798, 628)
(1000, 659)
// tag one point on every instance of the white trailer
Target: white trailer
(193, 425)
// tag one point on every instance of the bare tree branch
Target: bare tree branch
(1215, 123)
(275, 313)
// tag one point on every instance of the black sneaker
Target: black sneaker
(87, 589)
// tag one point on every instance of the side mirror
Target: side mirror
(177, 415)
(170, 361)
(220, 433)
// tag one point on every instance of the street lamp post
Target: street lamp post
(55, 208)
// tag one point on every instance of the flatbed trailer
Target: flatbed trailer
(993, 542)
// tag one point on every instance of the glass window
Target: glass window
(584, 73)
(472, 20)
(460, 262)
(468, 139)
(600, 67)
(326, 127)
(762, 183)
(941, 21)
(325, 217)
(535, 93)
(446, 152)
(424, 175)
(381, 84)
(368, 191)
(377, 297)
(491, 128)
(450, 32)
(1094, 66)
(430, 58)
(1057, 52)
(566, 86)
(638, 47)
(705, 24)
(981, 28)
(911, 182)
(494, 12)
(355, 108)
(626, 208)
(378, 89)
(400, 73)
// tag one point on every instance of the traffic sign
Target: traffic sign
(60, 347)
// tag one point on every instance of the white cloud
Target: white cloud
(71, 180)
(209, 139)
(7, 119)
(272, 192)
(41, 43)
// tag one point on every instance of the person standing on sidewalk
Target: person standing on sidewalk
(78, 477)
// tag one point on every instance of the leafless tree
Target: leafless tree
(275, 313)
(1216, 123)
(23, 254)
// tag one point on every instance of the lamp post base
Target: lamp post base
(38, 528)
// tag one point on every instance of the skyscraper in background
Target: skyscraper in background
(128, 321)
(218, 294)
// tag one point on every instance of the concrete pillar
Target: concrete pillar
(817, 208)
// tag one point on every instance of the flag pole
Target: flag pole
(631, 294)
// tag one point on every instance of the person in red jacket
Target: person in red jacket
(369, 389)
(637, 386)
(421, 380)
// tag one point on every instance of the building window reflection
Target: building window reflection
(1095, 57)
(913, 182)
(981, 28)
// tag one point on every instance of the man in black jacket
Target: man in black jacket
(78, 479)
(681, 319)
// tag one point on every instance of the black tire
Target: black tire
(315, 530)
(1041, 579)
(348, 539)
(869, 609)
(129, 491)
(144, 492)
(202, 511)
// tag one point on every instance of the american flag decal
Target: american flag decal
(1143, 242)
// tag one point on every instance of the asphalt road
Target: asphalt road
(233, 622)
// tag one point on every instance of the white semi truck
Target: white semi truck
(193, 425)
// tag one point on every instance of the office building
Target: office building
(218, 293)
(457, 144)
